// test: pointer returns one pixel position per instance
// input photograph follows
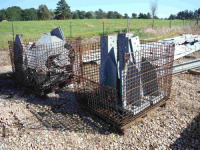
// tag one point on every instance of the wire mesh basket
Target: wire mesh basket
(40, 68)
(146, 83)
(146, 76)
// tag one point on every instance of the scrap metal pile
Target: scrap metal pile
(134, 77)
(184, 45)
(39, 65)
(119, 78)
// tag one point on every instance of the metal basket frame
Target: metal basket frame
(147, 75)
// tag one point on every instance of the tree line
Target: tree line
(186, 15)
(63, 11)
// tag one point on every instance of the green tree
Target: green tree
(29, 14)
(14, 13)
(111, 15)
(100, 14)
(144, 16)
(141, 16)
(197, 15)
(186, 15)
(53, 15)
(82, 14)
(114, 15)
(89, 15)
(180, 15)
(63, 10)
(44, 13)
(172, 17)
(97, 15)
(191, 14)
(134, 15)
(118, 15)
(156, 17)
(126, 16)
(75, 14)
(148, 16)
(3, 15)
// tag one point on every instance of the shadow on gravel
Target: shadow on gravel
(63, 113)
(190, 137)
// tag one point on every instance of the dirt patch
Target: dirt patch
(94, 39)
(90, 25)
(166, 32)
(4, 69)
(4, 58)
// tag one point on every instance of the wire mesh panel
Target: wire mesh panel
(99, 99)
(90, 61)
(146, 78)
(41, 67)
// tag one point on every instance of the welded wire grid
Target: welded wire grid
(146, 77)
(43, 67)
(90, 60)
(98, 99)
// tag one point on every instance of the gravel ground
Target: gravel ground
(4, 58)
(27, 122)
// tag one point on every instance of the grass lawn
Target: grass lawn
(80, 28)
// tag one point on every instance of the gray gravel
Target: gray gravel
(27, 122)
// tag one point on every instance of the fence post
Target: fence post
(70, 29)
(13, 34)
(103, 28)
(128, 27)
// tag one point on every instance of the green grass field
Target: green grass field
(80, 28)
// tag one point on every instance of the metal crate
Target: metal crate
(41, 68)
(146, 83)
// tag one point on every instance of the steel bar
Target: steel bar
(186, 66)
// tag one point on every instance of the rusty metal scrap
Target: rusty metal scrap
(145, 75)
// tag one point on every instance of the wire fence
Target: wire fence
(146, 81)
(73, 29)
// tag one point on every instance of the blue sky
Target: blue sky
(165, 7)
